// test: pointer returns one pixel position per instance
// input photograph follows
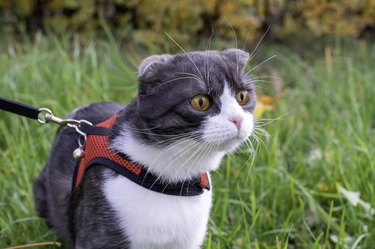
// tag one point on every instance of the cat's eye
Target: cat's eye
(243, 97)
(200, 102)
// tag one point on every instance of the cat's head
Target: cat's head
(204, 94)
(193, 102)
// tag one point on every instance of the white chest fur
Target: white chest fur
(151, 220)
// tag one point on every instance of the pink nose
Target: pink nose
(237, 121)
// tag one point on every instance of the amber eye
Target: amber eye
(242, 97)
(200, 102)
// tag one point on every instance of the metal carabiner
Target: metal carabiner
(49, 117)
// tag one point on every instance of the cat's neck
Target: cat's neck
(174, 163)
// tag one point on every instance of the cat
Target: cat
(191, 109)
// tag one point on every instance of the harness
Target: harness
(98, 152)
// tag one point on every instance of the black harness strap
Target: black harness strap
(93, 129)
(19, 108)
(152, 182)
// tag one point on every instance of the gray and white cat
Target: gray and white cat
(191, 109)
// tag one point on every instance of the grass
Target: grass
(287, 196)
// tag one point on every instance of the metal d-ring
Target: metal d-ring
(82, 140)
(82, 135)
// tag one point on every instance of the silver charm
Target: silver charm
(78, 153)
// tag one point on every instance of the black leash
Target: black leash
(45, 115)
(19, 108)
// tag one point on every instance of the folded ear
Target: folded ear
(149, 66)
(237, 55)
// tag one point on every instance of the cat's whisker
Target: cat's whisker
(263, 133)
(164, 135)
(185, 150)
(180, 141)
(188, 56)
(233, 31)
(257, 140)
(165, 150)
(166, 141)
(260, 64)
(254, 135)
(146, 132)
(264, 77)
(264, 122)
(193, 163)
(255, 50)
(251, 159)
(252, 80)
(251, 155)
(183, 139)
(181, 78)
(236, 42)
(144, 129)
(202, 154)
(201, 81)
(206, 58)
(208, 46)
(215, 148)
(258, 81)
(251, 147)
(154, 134)
(209, 78)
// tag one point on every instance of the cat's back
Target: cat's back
(53, 187)
(96, 112)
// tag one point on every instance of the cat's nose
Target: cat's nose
(237, 121)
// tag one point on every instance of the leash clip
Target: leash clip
(46, 116)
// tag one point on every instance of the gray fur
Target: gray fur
(162, 107)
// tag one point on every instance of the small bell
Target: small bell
(78, 153)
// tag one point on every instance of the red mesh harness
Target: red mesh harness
(98, 152)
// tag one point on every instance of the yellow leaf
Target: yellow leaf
(264, 103)
(259, 110)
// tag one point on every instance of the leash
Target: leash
(44, 116)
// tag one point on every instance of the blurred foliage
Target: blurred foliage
(326, 17)
(146, 21)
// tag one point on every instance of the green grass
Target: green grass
(285, 198)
